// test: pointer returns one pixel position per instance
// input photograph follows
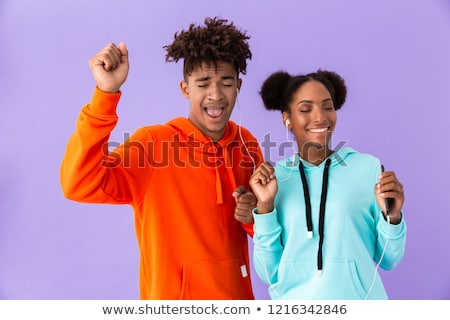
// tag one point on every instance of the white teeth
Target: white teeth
(319, 130)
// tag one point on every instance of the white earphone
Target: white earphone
(237, 91)
(287, 123)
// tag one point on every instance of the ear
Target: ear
(286, 121)
(184, 89)
(239, 84)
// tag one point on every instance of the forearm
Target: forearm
(267, 247)
(86, 159)
(395, 236)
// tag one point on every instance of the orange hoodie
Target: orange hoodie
(180, 186)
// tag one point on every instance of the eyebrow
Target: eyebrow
(208, 78)
(310, 101)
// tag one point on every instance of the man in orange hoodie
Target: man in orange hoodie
(186, 180)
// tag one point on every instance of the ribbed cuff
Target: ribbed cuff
(394, 229)
(104, 103)
(266, 221)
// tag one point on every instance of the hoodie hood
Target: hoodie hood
(337, 158)
(202, 143)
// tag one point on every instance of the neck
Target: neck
(214, 135)
(315, 154)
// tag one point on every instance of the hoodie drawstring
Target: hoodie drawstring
(219, 195)
(229, 168)
(323, 199)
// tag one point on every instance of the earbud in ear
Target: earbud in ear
(237, 90)
(287, 123)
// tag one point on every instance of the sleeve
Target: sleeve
(391, 239)
(254, 157)
(89, 172)
(391, 242)
(267, 247)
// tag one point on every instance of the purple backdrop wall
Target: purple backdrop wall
(394, 56)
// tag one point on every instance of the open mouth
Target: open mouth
(318, 130)
(214, 112)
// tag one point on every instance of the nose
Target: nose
(215, 92)
(318, 115)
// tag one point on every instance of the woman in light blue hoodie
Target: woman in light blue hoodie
(325, 219)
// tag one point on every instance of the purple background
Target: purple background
(394, 55)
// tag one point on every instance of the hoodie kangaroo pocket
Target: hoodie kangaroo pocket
(207, 280)
(300, 280)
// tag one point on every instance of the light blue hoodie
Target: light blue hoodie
(354, 232)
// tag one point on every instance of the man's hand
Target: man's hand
(245, 202)
(110, 67)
